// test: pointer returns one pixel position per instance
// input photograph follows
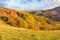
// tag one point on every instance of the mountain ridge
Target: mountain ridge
(55, 9)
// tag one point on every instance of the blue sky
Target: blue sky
(26, 5)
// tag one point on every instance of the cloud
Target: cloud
(51, 5)
(30, 4)
(24, 4)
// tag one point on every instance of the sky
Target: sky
(30, 5)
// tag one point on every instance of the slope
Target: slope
(11, 31)
(22, 19)
(17, 34)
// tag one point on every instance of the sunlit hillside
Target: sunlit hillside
(19, 25)
(26, 20)
(8, 32)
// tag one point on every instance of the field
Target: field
(25, 26)
(17, 34)
(12, 33)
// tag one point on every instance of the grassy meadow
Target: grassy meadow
(17, 34)
(8, 32)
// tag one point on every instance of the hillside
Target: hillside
(51, 14)
(16, 25)
(16, 34)
(8, 32)
(26, 20)
(54, 15)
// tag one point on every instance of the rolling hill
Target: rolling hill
(19, 25)
(51, 14)
(26, 20)
(8, 32)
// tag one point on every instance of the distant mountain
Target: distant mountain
(53, 14)
(54, 9)
(56, 16)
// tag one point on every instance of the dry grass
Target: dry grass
(12, 33)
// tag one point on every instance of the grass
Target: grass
(16, 34)
(11, 33)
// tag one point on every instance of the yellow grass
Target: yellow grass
(11, 33)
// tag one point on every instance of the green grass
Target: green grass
(16, 34)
